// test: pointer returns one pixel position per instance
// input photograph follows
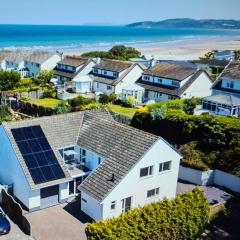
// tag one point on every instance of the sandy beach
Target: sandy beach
(182, 50)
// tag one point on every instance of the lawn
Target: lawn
(129, 112)
(46, 102)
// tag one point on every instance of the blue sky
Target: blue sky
(75, 12)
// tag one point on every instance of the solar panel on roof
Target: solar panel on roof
(37, 154)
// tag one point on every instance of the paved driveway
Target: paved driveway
(61, 222)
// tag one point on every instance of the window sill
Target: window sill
(164, 172)
(144, 178)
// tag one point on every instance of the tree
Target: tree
(62, 107)
(5, 114)
(45, 76)
(8, 80)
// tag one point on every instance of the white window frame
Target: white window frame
(113, 205)
(146, 78)
(109, 87)
(161, 166)
(149, 171)
(155, 191)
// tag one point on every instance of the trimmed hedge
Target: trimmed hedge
(184, 217)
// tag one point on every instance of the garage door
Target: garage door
(49, 196)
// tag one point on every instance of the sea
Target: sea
(88, 38)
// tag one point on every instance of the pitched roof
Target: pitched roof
(73, 61)
(18, 56)
(4, 54)
(232, 71)
(212, 62)
(113, 65)
(170, 90)
(224, 99)
(121, 146)
(110, 80)
(39, 56)
(170, 71)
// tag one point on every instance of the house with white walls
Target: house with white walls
(114, 166)
(170, 81)
(40, 60)
(3, 55)
(225, 98)
(112, 76)
(74, 71)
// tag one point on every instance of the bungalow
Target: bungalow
(74, 70)
(225, 99)
(40, 60)
(49, 159)
(169, 81)
(111, 76)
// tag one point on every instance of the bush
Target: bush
(104, 99)
(130, 101)
(5, 114)
(184, 217)
(93, 106)
(79, 101)
(49, 93)
(45, 76)
(62, 107)
(25, 82)
(8, 80)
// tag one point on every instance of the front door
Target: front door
(126, 204)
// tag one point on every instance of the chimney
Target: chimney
(113, 178)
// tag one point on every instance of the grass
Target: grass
(46, 102)
(125, 111)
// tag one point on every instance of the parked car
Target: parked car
(4, 224)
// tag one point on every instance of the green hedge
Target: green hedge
(182, 218)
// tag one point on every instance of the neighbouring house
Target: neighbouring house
(169, 81)
(227, 55)
(115, 167)
(225, 97)
(15, 61)
(112, 76)
(3, 55)
(41, 60)
(73, 72)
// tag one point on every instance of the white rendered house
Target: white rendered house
(116, 166)
(111, 76)
(74, 71)
(165, 82)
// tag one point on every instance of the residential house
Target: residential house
(3, 55)
(112, 76)
(15, 61)
(225, 97)
(226, 55)
(116, 166)
(40, 60)
(169, 81)
(75, 71)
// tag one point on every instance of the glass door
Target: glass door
(126, 204)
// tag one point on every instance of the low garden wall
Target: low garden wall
(210, 177)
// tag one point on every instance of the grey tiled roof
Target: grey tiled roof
(170, 71)
(72, 61)
(4, 54)
(224, 99)
(39, 56)
(113, 65)
(121, 146)
(18, 56)
(110, 80)
(170, 90)
(232, 71)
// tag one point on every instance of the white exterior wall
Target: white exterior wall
(11, 171)
(101, 87)
(152, 96)
(34, 199)
(63, 191)
(34, 68)
(51, 63)
(86, 70)
(201, 87)
(91, 207)
(133, 185)
(129, 79)
(228, 81)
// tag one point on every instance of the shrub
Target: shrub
(93, 106)
(24, 82)
(184, 217)
(130, 101)
(80, 101)
(8, 80)
(5, 114)
(104, 99)
(49, 93)
(62, 107)
(45, 76)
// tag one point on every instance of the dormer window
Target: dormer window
(105, 72)
(115, 74)
(175, 83)
(159, 80)
(230, 84)
(147, 78)
(95, 70)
